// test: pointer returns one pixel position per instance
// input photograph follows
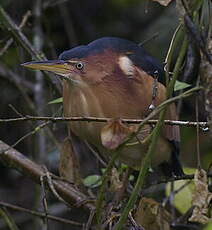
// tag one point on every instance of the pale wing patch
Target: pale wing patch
(126, 65)
(84, 105)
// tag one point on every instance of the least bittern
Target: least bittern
(112, 77)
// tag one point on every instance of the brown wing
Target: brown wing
(172, 132)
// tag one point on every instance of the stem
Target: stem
(202, 124)
(175, 39)
(177, 68)
(24, 42)
(8, 219)
(14, 159)
(101, 192)
(38, 214)
(155, 134)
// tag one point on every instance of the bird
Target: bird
(114, 78)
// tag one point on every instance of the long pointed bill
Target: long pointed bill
(59, 67)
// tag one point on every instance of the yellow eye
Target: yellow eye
(79, 65)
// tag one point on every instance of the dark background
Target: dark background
(65, 24)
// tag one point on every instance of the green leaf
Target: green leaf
(179, 85)
(56, 101)
(103, 170)
(131, 178)
(208, 227)
(183, 199)
(124, 166)
(92, 181)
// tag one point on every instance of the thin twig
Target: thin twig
(35, 130)
(22, 39)
(39, 101)
(9, 75)
(51, 187)
(10, 41)
(8, 219)
(44, 202)
(5, 48)
(101, 192)
(175, 39)
(15, 30)
(21, 86)
(14, 159)
(197, 129)
(149, 39)
(68, 24)
(39, 214)
(38, 90)
(52, 3)
(15, 110)
(145, 163)
(154, 137)
(202, 124)
(183, 177)
(25, 18)
(197, 36)
(90, 219)
(134, 224)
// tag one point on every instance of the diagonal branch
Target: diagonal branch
(39, 214)
(14, 159)
(24, 42)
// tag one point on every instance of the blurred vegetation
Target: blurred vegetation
(65, 24)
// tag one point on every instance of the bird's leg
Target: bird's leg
(154, 92)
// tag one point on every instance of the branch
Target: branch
(172, 179)
(8, 219)
(154, 137)
(142, 172)
(202, 124)
(24, 42)
(14, 78)
(198, 37)
(10, 41)
(14, 159)
(5, 48)
(16, 32)
(39, 214)
(21, 84)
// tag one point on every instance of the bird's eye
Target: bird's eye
(79, 65)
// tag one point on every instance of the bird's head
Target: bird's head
(91, 63)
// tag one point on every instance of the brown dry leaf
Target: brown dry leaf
(152, 216)
(115, 181)
(201, 198)
(180, 9)
(69, 165)
(163, 2)
(114, 133)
